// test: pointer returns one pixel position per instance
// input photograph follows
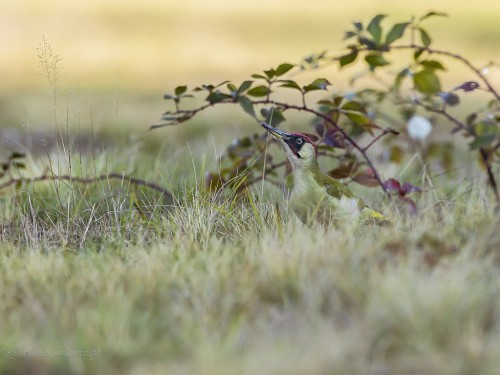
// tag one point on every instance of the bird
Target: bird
(316, 195)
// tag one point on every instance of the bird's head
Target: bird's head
(300, 149)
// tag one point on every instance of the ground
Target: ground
(216, 284)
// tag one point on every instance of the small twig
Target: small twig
(447, 115)
(384, 132)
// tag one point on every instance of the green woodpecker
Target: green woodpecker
(316, 195)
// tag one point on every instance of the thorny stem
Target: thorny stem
(470, 66)
(89, 180)
(181, 116)
(384, 132)
(447, 115)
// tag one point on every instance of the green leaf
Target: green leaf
(247, 105)
(244, 86)
(374, 27)
(259, 91)
(348, 58)
(217, 97)
(417, 54)
(427, 82)
(291, 84)
(431, 14)
(471, 118)
(396, 32)
(349, 35)
(357, 118)
(338, 100)
(179, 90)
(258, 76)
(424, 36)
(399, 78)
(375, 60)
(370, 44)
(486, 128)
(222, 83)
(283, 68)
(273, 116)
(354, 106)
(317, 84)
(483, 141)
(358, 26)
(432, 64)
(231, 87)
(270, 73)
(208, 88)
(327, 103)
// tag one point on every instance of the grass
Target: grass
(215, 284)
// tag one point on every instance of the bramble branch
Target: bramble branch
(188, 114)
(88, 181)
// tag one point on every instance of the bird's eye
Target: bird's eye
(299, 141)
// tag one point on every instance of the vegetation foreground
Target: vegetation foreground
(110, 278)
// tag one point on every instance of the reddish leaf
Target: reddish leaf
(392, 185)
(468, 86)
(320, 129)
(412, 206)
(343, 171)
(334, 138)
(409, 188)
(366, 178)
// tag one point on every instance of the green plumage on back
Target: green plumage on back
(336, 188)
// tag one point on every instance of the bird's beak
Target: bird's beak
(279, 134)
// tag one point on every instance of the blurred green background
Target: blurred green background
(119, 57)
